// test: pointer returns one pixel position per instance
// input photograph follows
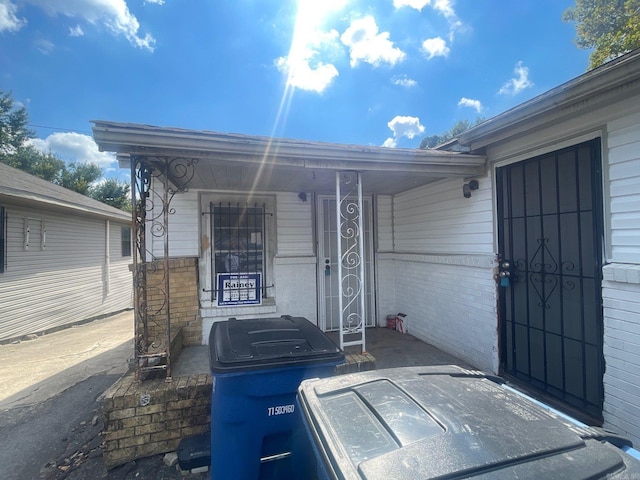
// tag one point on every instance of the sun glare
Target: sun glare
(310, 33)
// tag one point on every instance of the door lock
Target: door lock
(503, 277)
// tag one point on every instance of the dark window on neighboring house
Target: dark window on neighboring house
(3, 239)
(126, 241)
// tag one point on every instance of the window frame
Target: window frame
(208, 271)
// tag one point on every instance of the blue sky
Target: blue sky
(377, 72)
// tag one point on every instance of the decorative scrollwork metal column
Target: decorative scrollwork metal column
(351, 294)
(154, 183)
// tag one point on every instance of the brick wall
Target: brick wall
(621, 297)
(151, 417)
(142, 419)
(450, 302)
(183, 288)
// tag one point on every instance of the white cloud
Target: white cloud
(74, 147)
(367, 45)
(435, 47)
(301, 74)
(306, 66)
(157, 2)
(76, 31)
(519, 82)
(404, 81)
(403, 126)
(468, 102)
(9, 21)
(443, 6)
(417, 4)
(113, 14)
(45, 46)
(390, 143)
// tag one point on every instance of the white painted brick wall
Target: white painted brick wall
(450, 302)
(622, 351)
(386, 292)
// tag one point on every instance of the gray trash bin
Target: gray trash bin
(447, 422)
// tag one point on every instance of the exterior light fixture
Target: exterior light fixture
(467, 188)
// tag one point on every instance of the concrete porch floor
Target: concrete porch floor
(150, 417)
(394, 349)
(388, 347)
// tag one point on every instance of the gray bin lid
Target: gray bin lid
(447, 422)
(258, 343)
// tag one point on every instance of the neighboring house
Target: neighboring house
(64, 257)
(552, 187)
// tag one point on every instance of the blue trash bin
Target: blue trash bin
(257, 366)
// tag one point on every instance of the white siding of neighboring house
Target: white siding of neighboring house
(64, 281)
(621, 288)
(444, 266)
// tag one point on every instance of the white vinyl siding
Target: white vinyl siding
(183, 226)
(294, 225)
(64, 283)
(384, 222)
(621, 286)
(624, 186)
(437, 219)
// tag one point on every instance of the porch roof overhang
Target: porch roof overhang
(240, 162)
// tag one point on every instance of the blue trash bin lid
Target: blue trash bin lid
(236, 345)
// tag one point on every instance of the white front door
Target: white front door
(328, 256)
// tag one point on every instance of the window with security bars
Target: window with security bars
(3, 239)
(238, 233)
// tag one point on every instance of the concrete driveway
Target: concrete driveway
(50, 387)
(35, 370)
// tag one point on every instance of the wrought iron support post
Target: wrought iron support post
(351, 274)
(151, 211)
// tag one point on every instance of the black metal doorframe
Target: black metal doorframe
(550, 234)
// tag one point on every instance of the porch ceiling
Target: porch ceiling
(242, 162)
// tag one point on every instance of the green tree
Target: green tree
(435, 140)
(610, 27)
(28, 159)
(16, 151)
(13, 126)
(79, 176)
(112, 192)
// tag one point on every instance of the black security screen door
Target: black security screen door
(550, 234)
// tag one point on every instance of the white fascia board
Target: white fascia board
(142, 139)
